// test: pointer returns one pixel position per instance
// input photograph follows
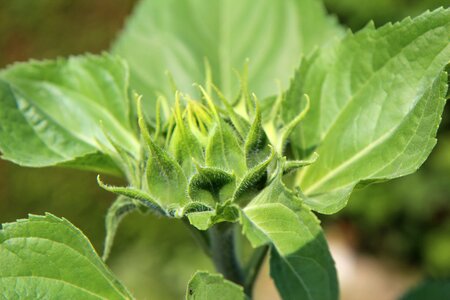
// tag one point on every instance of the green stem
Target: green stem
(223, 252)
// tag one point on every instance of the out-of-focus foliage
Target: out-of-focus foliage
(356, 13)
(49, 28)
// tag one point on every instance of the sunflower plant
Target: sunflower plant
(243, 119)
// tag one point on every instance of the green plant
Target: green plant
(238, 157)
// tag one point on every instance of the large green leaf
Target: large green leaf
(52, 112)
(44, 257)
(301, 264)
(206, 286)
(177, 36)
(376, 101)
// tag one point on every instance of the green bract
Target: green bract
(232, 155)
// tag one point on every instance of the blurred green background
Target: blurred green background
(406, 220)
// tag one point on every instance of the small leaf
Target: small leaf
(226, 212)
(47, 257)
(121, 207)
(50, 112)
(257, 145)
(198, 214)
(207, 286)
(201, 220)
(145, 199)
(253, 181)
(293, 165)
(211, 185)
(223, 212)
(192, 207)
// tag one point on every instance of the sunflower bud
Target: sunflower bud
(212, 161)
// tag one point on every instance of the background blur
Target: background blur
(389, 237)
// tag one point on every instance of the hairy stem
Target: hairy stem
(223, 252)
